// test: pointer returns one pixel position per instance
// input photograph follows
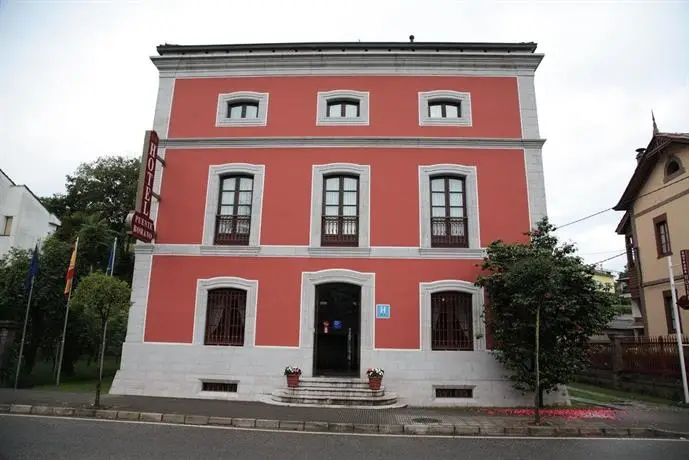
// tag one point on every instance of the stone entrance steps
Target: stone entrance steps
(335, 392)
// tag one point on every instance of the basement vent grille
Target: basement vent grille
(219, 386)
(454, 392)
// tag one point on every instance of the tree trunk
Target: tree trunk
(537, 397)
(100, 364)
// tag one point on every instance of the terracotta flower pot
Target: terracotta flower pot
(293, 380)
(374, 382)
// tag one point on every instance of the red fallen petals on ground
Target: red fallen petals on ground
(563, 413)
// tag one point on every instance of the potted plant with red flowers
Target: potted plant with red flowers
(292, 374)
(375, 377)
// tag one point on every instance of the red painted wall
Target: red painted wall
(172, 294)
(503, 205)
(393, 106)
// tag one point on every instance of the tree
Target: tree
(543, 307)
(100, 297)
(105, 187)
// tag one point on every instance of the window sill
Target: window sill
(338, 251)
(239, 122)
(342, 122)
(459, 253)
(224, 249)
(661, 256)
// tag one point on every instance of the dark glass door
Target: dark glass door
(337, 330)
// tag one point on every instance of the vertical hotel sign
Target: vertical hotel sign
(139, 220)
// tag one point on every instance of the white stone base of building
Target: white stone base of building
(178, 370)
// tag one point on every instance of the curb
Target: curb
(440, 429)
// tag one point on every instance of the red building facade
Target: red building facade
(325, 206)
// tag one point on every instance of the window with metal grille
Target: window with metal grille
(242, 109)
(454, 392)
(343, 108)
(451, 321)
(340, 219)
(662, 235)
(233, 222)
(225, 317)
(449, 225)
(219, 386)
(445, 109)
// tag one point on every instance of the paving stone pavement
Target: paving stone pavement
(675, 419)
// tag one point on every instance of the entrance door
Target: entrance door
(337, 330)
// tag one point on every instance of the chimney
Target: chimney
(411, 39)
(640, 154)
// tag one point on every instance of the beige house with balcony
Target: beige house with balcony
(656, 226)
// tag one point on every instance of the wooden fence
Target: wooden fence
(645, 364)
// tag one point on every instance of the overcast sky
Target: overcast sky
(76, 81)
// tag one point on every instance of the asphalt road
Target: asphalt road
(35, 438)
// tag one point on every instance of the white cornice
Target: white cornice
(347, 63)
(351, 142)
(374, 252)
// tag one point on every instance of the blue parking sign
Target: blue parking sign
(382, 311)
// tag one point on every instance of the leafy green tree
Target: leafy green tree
(105, 187)
(543, 307)
(98, 298)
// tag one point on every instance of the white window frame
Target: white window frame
(362, 97)
(318, 173)
(223, 121)
(464, 100)
(203, 286)
(215, 172)
(471, 194)
(478, 328)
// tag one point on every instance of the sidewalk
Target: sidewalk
(638, 422)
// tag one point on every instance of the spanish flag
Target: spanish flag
(70, 269)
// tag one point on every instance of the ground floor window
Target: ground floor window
(451, 321)
(225, 317)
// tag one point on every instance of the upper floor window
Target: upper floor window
(451, 321)
(449, 226)
(662, 235)
(242, 108)
(444, 108)
(225, 317)
(233, 222)
(673, 168)
(246, 109)
(7, 226)
(340, 218)
(342, 107)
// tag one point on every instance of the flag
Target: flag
(111, 259)
(33, 270)
(70, 269)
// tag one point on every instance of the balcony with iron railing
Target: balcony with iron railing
(232, 230)
(340, 231)
(449, 232)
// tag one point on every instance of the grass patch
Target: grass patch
(83, 380)
(612, 396)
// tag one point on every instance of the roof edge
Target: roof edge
(506, 47)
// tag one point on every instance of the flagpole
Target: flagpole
(678, 330)
(62, 344)
(21, 346)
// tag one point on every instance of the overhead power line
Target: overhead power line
(583, 218)
(610, 258)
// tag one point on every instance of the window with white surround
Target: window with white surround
(242, 108)
(342, 107)
(448, 207)
(444, 108)
(225, 312)
(451, 316)
(234, 201)
(340, 205)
